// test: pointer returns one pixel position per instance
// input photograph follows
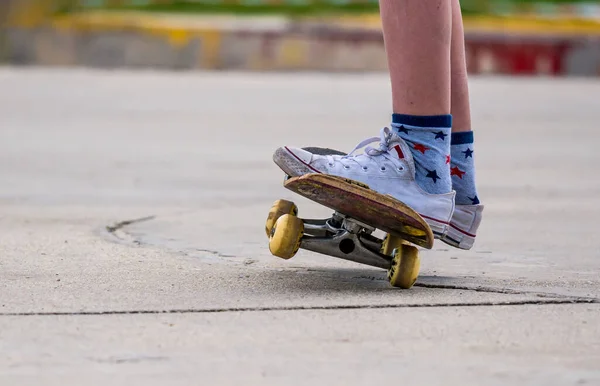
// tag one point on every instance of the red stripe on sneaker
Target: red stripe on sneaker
(434, 219)
(461, 231)
(302, 162)
(399, 151)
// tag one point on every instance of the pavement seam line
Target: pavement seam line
(308, 308)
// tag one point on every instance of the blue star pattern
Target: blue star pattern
(462, 168)
(403, 129)
(433, 175)
(474, 200)
(429, 153)
(440, 135)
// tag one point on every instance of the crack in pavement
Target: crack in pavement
(122, 224)
(506, 291)
(308, 308)
(213, 252)
(551, 297)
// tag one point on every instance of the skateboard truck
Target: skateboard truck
(344, 238)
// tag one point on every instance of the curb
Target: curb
(494, 45)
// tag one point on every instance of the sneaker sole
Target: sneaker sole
(457, 239)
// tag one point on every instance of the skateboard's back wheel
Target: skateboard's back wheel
(405, 267)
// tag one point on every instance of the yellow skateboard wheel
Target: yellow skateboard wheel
(285, 237)
(405, 267)
(279, 208)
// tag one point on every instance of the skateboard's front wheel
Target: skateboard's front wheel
(285, 237)
(405, 267)
(279, 208)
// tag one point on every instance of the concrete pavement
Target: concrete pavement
(187, 292)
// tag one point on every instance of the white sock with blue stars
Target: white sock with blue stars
(462, 168)
(429, 140)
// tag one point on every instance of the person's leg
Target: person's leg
(462, 166)
(412, 161)
(459, 96)
(417, 36)
(468, 211)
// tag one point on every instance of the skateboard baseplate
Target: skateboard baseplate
(348, 233)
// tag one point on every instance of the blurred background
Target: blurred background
(526, 37)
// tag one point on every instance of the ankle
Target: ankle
(428, 138)
(462, 168)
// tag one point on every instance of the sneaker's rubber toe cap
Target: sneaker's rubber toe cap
(294, 161)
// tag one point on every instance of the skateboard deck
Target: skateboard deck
(358, 201)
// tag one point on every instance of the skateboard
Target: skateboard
(348, 233)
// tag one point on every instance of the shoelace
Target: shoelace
(371, 154)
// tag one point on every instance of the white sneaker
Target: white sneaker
(463, 226)
(388, 169)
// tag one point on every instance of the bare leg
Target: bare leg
(460, 109)
(417, 35)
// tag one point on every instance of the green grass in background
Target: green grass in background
(250, 7)
(315, 7)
